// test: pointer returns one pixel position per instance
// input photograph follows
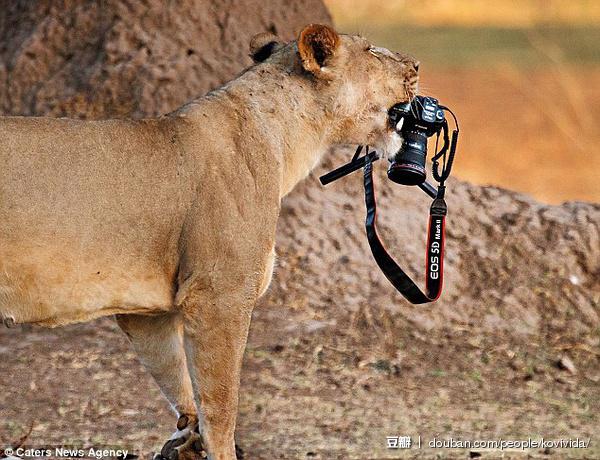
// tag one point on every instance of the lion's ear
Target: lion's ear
(263, 45)
(317, 43)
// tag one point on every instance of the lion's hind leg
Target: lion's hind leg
(158, 341)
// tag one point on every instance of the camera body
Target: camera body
(421, 119)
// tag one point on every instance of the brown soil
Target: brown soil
(113, 58)
(336, 361)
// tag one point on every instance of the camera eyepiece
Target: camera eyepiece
(423, 118)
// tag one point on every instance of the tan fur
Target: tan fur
(175, 217)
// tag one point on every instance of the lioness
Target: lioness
(169, 223)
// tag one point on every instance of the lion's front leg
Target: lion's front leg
(216, 330)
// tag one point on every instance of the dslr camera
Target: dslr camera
(415, 121)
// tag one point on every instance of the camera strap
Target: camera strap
(434, 271)
(434, 262)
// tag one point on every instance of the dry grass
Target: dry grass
(519, 13)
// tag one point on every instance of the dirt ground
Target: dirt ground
(328, 388)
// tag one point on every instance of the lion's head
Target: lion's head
(356, 82)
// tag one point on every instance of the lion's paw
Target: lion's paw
(185, 444)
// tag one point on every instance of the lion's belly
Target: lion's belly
(45, 285)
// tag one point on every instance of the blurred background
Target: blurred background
(522, 75)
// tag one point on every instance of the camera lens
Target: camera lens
(408, 167)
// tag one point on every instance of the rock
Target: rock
(498, 276)
(114, 58)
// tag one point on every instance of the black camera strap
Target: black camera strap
(434, 271)
(434, 263)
